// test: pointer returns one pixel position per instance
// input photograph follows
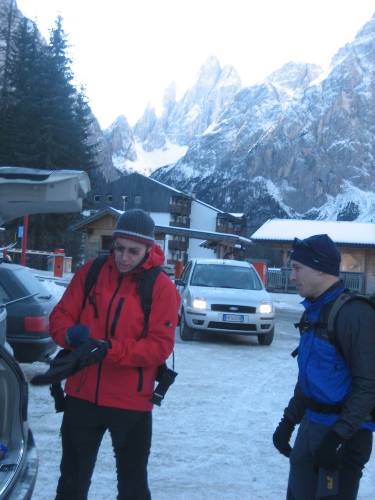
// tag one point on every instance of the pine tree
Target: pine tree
(7, 20)
(23, 108)
(86, 150)
(48, 120)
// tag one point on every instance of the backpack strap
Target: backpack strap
(325, 326)
(340, 301)
(336, 306)
(144, 288)
(303, 325)
(92, 277)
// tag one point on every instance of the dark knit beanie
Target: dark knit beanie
(135, 225)
(318, 252)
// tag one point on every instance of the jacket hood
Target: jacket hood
(155, 257)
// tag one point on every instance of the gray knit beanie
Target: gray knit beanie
(135, 225)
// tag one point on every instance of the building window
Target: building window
(109, 198)
(97, 198)
(124, 199)
(137, 200)
(106, 243)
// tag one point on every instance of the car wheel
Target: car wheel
(266, 338)
(186, 333)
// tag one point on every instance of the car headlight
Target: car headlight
(266, 308)
(199, 303)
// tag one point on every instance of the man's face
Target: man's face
(128, 254)
(309, 282)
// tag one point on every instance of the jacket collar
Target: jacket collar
(327, 296)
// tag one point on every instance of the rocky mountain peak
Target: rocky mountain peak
(294, 76)
(182, 120)
(299, 144)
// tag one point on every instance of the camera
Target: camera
(165, 378)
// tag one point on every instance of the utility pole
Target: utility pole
(124, 200)
(24, 239)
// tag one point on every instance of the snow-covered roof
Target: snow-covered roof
(341, 232)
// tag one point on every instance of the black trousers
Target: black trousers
(82, 430)
(304, 476)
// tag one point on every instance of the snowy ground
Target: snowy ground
(212, 437)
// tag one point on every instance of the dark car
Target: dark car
(28, 304)
(25, 191)
(18, 457)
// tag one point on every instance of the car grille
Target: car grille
(216, 325)
(229, 308)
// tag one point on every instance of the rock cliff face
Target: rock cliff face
(215, 165)
(299, 144)
(163, 140)
(105, 172)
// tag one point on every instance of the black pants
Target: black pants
(82, 430)
(303, 477)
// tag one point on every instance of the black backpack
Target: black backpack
(326, 329)
(165, 375)
(327, 320)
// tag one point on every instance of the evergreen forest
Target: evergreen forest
(45, 118)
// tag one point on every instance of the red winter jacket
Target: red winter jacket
(126, 377)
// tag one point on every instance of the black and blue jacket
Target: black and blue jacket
(341, 374)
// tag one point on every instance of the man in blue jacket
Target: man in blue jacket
(334, 396)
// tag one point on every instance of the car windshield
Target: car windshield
(225, 276)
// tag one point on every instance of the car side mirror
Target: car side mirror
(179, 282)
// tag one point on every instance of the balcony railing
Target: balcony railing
(223, 228)
(180, 223)
(179, 208)
(177, 245)
(279, 280)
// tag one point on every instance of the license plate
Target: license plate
(234, 318)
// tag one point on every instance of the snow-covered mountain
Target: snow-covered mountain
(215, 164)
(158, 141)
(298, 144)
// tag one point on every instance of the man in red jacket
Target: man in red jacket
(114, 392)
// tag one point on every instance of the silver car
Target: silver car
(225, 296)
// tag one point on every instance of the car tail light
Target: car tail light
(36, 323)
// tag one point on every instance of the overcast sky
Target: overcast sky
(126, 52)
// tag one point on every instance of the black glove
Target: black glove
(327, 456)
(63, 365)
(67, 363)
(282, 435)
(92, 351)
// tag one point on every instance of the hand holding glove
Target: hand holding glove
(92, 351)
(327, 455)
(67, 363)
(281, 436)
